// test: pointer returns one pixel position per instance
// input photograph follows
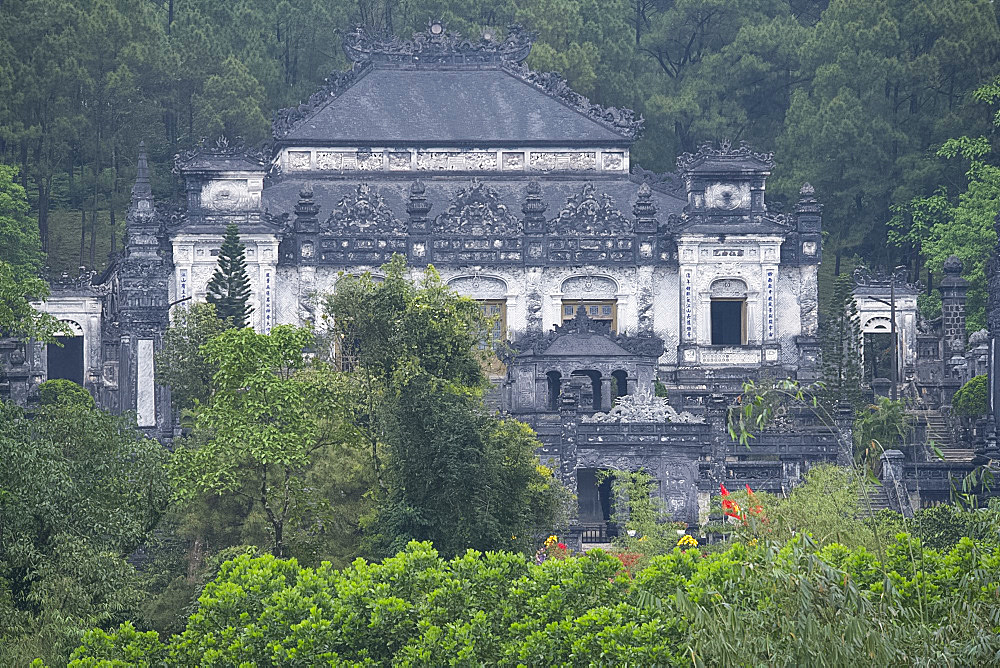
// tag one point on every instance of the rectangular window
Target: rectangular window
(729, 322)
(495, 310)
(604, 310)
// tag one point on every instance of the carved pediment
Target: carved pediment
(589, 214)
(362, 212)
(477, 211)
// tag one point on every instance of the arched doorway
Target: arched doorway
(595, 383)
(621, 384)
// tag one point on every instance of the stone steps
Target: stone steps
(878, 499)
(943, 438)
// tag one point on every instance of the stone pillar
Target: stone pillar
(419, 227)
(993, 365)
(716, 416)
(607, 402)
(844, 420)
(953, 290)
(569, 402)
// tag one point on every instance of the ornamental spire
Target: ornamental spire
(142, 191)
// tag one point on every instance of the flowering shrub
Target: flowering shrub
(687, 540)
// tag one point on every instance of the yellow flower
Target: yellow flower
(687, 541)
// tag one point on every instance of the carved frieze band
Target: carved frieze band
(455, 160)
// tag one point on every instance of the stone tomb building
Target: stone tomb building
(606, 278)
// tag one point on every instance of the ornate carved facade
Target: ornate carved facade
(521, 193)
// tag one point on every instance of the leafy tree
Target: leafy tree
(972, 400)
(20, 260)
(80, 490)
(452, 472)
(181, 362)
(640, 512)
(880, 427)
(271, 415)
(966, 228)
(229, 288)
(231, 104)
(881, 91)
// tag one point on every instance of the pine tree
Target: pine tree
(229, 288)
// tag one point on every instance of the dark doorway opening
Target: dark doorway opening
(66, 362)
(595, 383)
(728, 322)
(878, 355)
(594, 497)
(621, 383)
(555, 387)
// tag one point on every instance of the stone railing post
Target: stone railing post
(894, 483)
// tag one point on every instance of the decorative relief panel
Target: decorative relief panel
(479, 287)
(576, 161)
(613, 161)
(457, 161)
(399, 160)
(362, 212)
(731, 356)
(729, 288)
(727, 196)
(299, 160)
(477, 211)
(589, 287)
(227, 195)
(513, 161)
(344, 161)
(588, 214)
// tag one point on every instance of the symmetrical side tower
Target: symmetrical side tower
(139, 295)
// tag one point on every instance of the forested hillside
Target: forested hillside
(855, 96)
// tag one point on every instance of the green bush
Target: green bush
(971, 399)
(63, 391)
(752, 604)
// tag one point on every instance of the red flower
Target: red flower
(561, 546)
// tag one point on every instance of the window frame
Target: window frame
(498, 334)
(575, 303)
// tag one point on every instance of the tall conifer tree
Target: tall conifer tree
(229, 288)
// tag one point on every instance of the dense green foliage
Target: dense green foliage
(229, 288)
(269, 417)
(20, 261)
(181, 362)
(769, 603)
(412, 352)
(80, 490)
(972, 399)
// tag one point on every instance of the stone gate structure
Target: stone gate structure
(609, 281)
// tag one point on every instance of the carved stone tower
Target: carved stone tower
(143, 300)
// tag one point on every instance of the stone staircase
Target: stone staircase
(942, 436)
(877, 497)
